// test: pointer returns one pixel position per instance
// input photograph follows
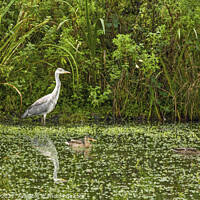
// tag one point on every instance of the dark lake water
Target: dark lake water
(126, 162)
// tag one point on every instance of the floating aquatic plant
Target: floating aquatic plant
(126, 162)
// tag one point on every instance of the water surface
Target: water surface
(126, 162)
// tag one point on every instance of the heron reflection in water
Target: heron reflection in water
(47, 148)
(46, 104)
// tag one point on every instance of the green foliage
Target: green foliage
(132, 59)
(127, 50)
(97, 98)
(91, 35)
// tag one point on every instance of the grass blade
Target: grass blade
(6, 10)
(17, 92)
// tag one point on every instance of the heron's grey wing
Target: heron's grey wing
(39, 107)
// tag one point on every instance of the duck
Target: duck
(81, 143)
(186, 151)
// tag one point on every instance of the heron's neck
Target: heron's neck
(58, 83)
(56, 168)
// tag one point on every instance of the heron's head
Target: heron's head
(61, 71)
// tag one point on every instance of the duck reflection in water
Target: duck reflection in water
(81, 146)
(81, 151)
(47, 148)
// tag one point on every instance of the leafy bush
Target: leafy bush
(129, 60)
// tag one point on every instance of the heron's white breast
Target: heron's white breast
(53, 101)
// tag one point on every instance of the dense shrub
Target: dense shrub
(129, 60)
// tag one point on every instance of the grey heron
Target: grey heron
(46, 104)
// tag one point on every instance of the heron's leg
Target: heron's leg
(45, 119)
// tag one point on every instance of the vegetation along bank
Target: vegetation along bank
(128, 59)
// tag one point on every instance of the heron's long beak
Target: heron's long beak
(66, 72)
(93, 139)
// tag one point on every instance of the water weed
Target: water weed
(126, 162)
